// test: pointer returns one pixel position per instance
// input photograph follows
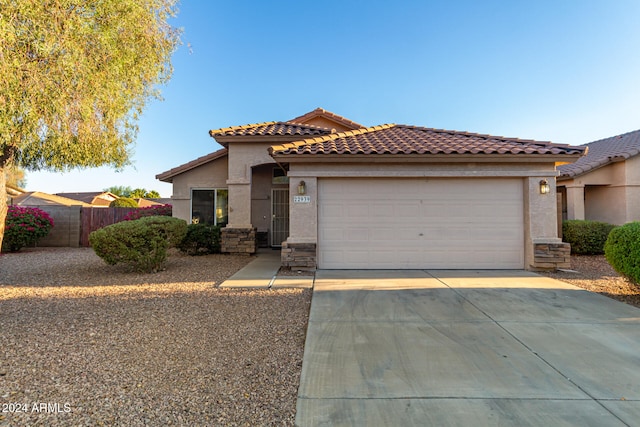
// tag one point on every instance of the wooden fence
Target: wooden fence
(95, 218)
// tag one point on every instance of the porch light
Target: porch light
(544, 187)
(302, 188)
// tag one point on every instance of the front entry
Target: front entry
(279, 216)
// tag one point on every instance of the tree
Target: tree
(74, 77)
(138, 193)
(15, 176)
(119, 190)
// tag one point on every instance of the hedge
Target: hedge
(586, 237)
(622, 250)
(201, 239)
(140, 244)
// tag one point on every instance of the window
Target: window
(210, 206)
(279, 176)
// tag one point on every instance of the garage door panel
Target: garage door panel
(434, 223)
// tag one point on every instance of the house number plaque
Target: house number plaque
(301, 199)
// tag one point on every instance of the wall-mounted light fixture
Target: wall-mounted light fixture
(544, 187)
(302, 188)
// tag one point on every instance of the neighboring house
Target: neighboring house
(337, 195)
(604, 185)
(38, 198)
(145, 203)
(13, 192)
(96, 199)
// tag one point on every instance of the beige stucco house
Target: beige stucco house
(334, 194)
(603, 185)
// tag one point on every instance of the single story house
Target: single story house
(603, 185)
(38, 198)
(95, 198)
(334, 194)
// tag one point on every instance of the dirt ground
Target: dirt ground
(593, 272)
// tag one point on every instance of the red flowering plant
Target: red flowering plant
(25, 226)
(157, 210)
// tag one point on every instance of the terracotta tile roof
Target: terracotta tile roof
(403, 139)
(602, 153)
(328, 114)
(270, 129)
(167, 176)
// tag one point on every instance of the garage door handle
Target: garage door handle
(420, 234)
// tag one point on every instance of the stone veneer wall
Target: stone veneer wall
(238, 240)
(301, 256)
(549, 256)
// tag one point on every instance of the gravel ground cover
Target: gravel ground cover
(594, 273)
(86, 344)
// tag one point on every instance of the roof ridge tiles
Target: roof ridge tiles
(322, 111)
(329, 137)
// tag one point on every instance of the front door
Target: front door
(279, 216)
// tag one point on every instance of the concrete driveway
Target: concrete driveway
(467, 348)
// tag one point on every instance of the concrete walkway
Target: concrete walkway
(451, 348)
(262, 273)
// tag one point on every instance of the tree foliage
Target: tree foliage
(16, 176)
(119, 190)
(138, 193)
(75, 76)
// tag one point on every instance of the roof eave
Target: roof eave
(168, 176)
(425, 158)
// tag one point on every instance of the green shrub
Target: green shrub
(201, 239)
(586, 237)
(141, 244)
(173, 229)
(123, 202)
(24, 227)
(622, 250)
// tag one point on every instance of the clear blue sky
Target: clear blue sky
(566, 71)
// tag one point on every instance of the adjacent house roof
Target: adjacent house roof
(98, 198)
(402, 139)
(167, 176)
(321, 112)
(603, 152)
(37, 198)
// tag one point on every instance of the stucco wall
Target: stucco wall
(209, 175)
(604, 203)
(242, 157)
(610, 193)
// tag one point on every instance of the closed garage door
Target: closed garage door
(420, 223)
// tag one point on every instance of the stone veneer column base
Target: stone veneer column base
(238, 240)
(299, 256)
(551, 256)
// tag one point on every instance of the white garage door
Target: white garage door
(420, 223)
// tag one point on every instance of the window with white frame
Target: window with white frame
(210, 206)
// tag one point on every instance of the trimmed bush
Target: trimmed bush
(24, 227)
(201, 239)
(123, 202)
(141, 244)
(586, 237)
(622, 250)
(158, 210)
(172, 229)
